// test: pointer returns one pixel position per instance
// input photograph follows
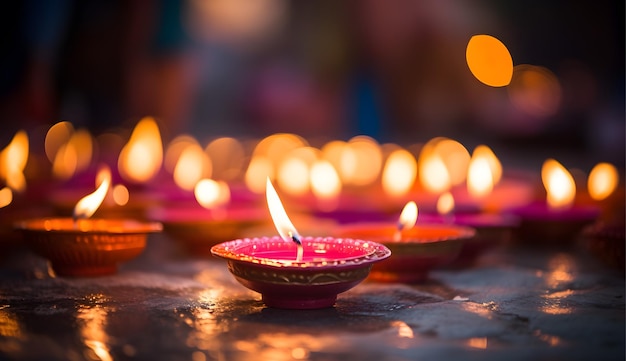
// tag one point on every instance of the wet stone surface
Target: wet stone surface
(515, 304)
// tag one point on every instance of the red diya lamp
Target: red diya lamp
(80, 246)
(212, 218)
(416, 249)
(295, 272)
(557, 220)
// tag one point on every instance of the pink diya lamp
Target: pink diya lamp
(557, 220)
(295, 272)
(211, 219)
(80, 246)
(416, 249)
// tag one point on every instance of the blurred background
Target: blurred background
(394, 70)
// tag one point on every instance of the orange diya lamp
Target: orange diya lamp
(557, 220)
(294, 271)
(416, 249)
(82, 246)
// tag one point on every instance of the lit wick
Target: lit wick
(88, 205)
(281, 221)
(407, 219)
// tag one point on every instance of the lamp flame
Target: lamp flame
(479, 177)
(434, 175)
(445, 204)
(559, 185)
(6, 197)
(13, 160)
(141, 157)
(407, 219)
(602, 181)
(88, 205)
(210, 193)
(399, 173)
(283, 224)
(325, 182)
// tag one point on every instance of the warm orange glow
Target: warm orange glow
(399, 173)
(361, 165)
(58, 135)
(193, 165)
(281, 221)
(325, 182)
(293, 176)
(210, 193)
(559, 185)
(13, 160)
(479, 177)
(141, 157)
(6, 197)
(489, 60)
(455, 157)
(120, 195)
(445, 204)
(276, 146)
(483, 151)
(404, 330)
(433, 174)
(408, 217)
(88, 205)
(174, 150)
(74, 155)
(602, 181)
(227, 156)
(260, 167)
(535, 90)
(477, 342)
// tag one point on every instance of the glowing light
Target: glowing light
(559, 185)
(88, 205)
(293, 176)
(210, 193)
(174, 150)
(408, 216)
(433, 174)
(455, 156)
(227, 156)
(141, 157)
(480, 179)
(6, 197)
(120, 194)
(193, 164)
(404, 330)
(445, 204)
(477, 342)
(602, 181)
(535, 90)
(13, 160)
(364, 160)
(260, 167)
(399, 173)
(57, 136)
(325, 182)
(281, 221)
(489, 60)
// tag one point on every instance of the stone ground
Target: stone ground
(515, 304)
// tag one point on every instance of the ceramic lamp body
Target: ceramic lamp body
(89, 247)
(329, 266)
(422, 248)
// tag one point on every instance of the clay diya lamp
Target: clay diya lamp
(83, 247)
(557, 220)
(210, 219)
(416, 250)
(295, 272)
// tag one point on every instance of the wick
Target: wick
(296, 239)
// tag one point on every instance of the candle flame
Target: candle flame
(399, 173)
(433, 174)
(6, 197)
(445, 204)
(283, 224)
(193, 164)
(479, 177)
(325, 182)
(141, 157)
(210, 193)
(259, 168)
(88, 205)
(559, 185)
(602, 181)
(293, 176)
(13, 160)
(407, 219)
